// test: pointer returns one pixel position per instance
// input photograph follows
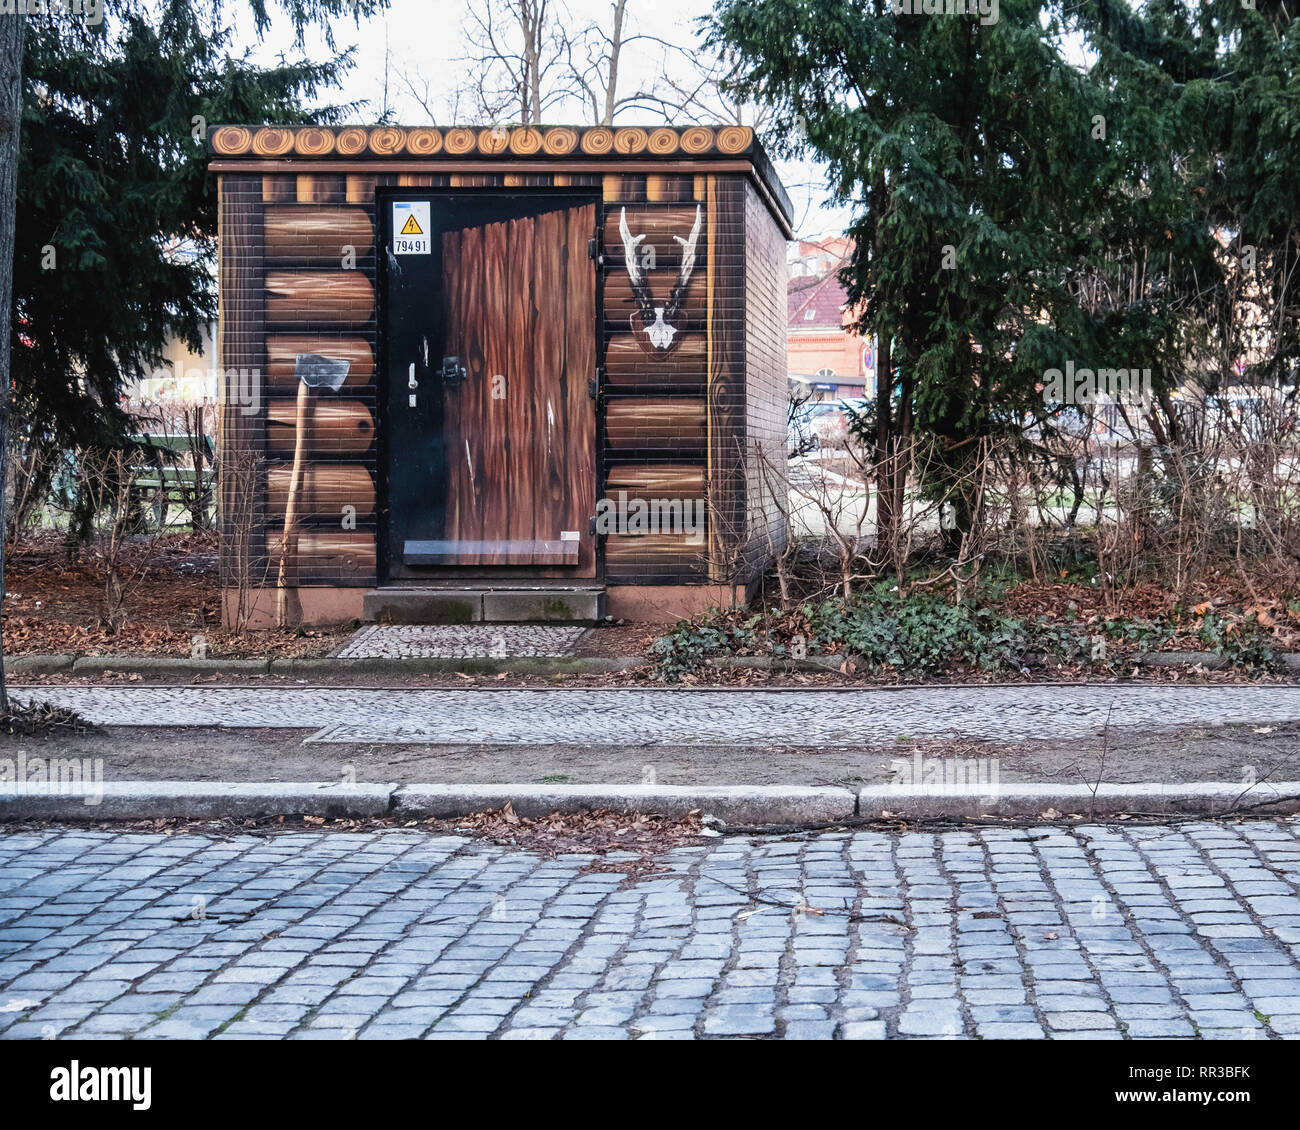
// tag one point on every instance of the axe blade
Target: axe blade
(318, 372)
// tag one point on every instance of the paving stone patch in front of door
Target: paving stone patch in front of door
(462, 641)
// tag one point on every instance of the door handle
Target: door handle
(412, 384)
(453, 372)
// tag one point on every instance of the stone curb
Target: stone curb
(51, 664)
(742, 805)
(418, 665)
(813, 663)
(200, 800)
(162, 664)
(195, 800)
(734, 804)
(1031, 801)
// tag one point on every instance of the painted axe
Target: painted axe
(313, 372)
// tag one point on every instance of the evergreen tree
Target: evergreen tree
(98, 109)
(117, 214)
(994, 181)
(1223, 81)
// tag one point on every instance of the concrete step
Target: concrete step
(459, 604)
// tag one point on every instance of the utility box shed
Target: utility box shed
(498, 374)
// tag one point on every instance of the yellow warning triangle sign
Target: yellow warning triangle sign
(411, 227)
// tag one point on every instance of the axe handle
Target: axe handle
(289, 540)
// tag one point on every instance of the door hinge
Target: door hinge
(596, 384)
(593, 247)
(591, 525)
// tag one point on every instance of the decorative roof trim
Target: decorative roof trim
(367, 144)
(459, 141)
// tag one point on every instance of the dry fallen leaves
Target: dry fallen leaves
(645, 836)
(597, 832)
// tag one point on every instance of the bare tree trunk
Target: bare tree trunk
(13, 28)
(615, 49)
(532, 14)
(886, 453)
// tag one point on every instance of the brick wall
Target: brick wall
(814, 350)
(766, 395)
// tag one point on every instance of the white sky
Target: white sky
(425, 38)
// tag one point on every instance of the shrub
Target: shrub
(919, 634)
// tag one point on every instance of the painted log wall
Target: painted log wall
(241, 353)
(666, 417)
(298, 257)
(320, 294)
(298, 274)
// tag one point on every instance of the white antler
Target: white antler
(688, 248)
(657, 320)
(640, 285)
(630, 245)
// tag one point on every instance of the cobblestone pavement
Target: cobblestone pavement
(682, 717)
(1088, 932)
(461, 641)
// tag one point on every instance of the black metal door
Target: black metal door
(490, 343)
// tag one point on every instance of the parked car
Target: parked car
(856, 407)
(825, 423)
(833, 424)
(799, 437)
(801, 431)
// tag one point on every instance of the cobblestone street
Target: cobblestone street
(614, 717)
(1088, 932)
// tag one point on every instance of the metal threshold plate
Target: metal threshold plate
(514, 551)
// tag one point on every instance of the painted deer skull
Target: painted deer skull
(657, 321)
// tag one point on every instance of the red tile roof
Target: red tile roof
(825, 297)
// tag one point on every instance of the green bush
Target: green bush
(1241, 643)
(924, 633)
(689, 644)
(919, 634)
(1148, 635)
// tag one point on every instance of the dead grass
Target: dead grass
(53, 605)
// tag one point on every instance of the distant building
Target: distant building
(827, 361)
(184, 379)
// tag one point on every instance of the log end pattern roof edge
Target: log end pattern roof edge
(376, 143)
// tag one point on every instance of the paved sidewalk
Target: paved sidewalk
(461, 641)
(1088, 932)
(823, 718)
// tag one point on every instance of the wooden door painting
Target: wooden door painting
(514, 350)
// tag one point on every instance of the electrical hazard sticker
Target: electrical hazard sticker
(411, 228)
